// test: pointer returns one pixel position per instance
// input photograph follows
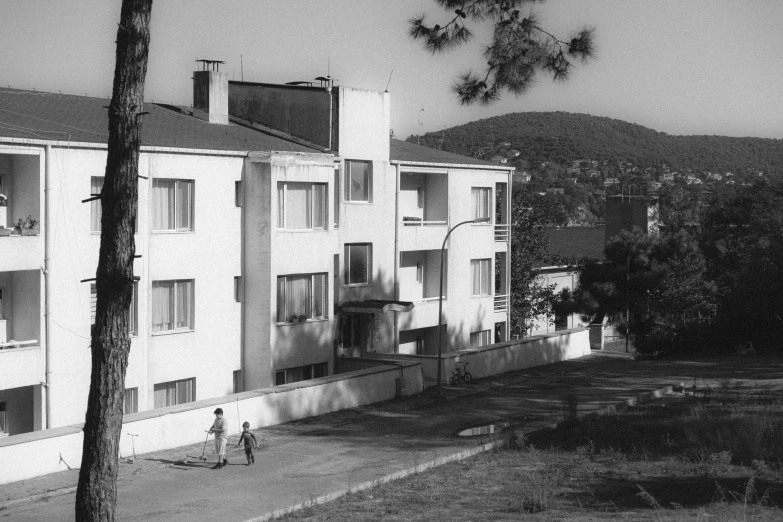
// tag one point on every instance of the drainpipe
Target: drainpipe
(46, 271)
(396, 252)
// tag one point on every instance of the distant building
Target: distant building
(608, 182)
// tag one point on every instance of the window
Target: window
(238, 193)
(175, 392)
(133, 319)
(358, 260)
(301, 297)
(350, 331)
(1, 304)
(301, 206)
(237, 381)
(419, 273)
(172, 305)
(130, 404)
(172, 205)
(337, 196)
(301, 373)
(480, 201)
(419, 345)
(3, 421)
(480, 277)
(482, 338)
(358, 181)
(238, 290)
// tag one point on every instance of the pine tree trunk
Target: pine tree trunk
(96, 495)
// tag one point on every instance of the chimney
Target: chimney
(210, 92)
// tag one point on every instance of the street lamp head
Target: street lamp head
(481, 220)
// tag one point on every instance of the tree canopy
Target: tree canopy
(519, 50)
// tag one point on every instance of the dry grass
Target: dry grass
(711, 455)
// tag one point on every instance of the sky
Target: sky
(681, 67)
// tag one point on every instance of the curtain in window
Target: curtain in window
(336, 198)
(319, 295)
(184, 198)
(93, 301)
(133, 323)
(163, 394)
(282, 316)
(319, 205)
(162, 306)
(299, 206)
(96, 184)
(130, 401)
(481, 338)
(297, 291)
(163, 204)
(358, 263)
(480, 202)
(281, 205)
(185, 391)
(479, 276)
(184, 303)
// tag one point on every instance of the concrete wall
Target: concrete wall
(506, 357)
(35, 454)
(364, 119)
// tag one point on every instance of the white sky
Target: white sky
(682, 67)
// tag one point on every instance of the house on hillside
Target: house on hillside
(270, 244)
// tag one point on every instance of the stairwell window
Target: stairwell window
(480, 198)
(301, 297)
(301, 206)
(480, 277)
(172, 205)
(358, 264)
(175, 392)
(172, 305)
(358, 181)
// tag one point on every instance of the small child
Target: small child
(250, 442)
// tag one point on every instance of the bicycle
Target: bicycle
(461, 374)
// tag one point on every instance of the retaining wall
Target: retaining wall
(42, 452)
(505, 357)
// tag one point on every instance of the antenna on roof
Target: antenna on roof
(387, 83)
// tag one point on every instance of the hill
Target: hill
(561, 137)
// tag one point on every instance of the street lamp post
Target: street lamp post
(440, 296)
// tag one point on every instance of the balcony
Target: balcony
(20, 364)
(502, 232)
(501, 303)
(20, 197)
(424, 209)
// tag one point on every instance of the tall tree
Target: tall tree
(96, 494)
(520, 47)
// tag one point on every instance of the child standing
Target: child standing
(220, 429)
(250, 442)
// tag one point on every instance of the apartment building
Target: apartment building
(279, 229)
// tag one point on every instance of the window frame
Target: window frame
(484, 277)
(191, 210)
(286, 315)
(347, 268)
(134, 395)
(283, 206)
(175, 383)
(481, 335)
(476, 211)
(368, 181)
(173, 307)
(306, 371)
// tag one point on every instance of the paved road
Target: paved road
(305, 459)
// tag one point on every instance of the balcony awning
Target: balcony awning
(375, 306)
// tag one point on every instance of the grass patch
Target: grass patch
(709, 455)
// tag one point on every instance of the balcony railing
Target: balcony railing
(18, 344)
(502, 232)
(501, 303)
(411, 222)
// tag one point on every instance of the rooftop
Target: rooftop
(404, 151)
(71, 118)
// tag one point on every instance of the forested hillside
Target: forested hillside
(562, 137)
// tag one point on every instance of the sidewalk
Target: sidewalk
(306, 459)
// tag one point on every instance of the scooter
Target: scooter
(202, 457)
